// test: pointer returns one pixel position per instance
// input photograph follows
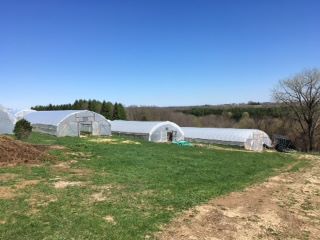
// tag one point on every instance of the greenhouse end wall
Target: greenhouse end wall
(71, 126)
(69, 123)
(7, 122)
(160, 134)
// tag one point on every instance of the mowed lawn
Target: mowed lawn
(120, 188)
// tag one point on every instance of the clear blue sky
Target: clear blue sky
(153, 52)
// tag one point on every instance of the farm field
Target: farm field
(286, 206)
(120, 188)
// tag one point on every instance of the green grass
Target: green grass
(144, 186)
(302, 164)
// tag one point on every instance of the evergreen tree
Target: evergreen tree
(84, 104)
(122, 112)
(90, 106)
(106, 109)
(110, 110)
(115, 113)
(22, 129)
(76, 105)
(96, 106)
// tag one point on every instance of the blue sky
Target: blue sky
(153, 52)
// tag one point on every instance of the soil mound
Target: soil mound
(14, 152)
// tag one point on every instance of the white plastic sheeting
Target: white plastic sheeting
(250, 139)
(19, 114)
(69, 122)
(151, 131)
(7, 121)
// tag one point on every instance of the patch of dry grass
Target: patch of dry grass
(113, 141)
(64, 184)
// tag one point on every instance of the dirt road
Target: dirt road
(287, 206)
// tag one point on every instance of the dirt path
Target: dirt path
(285, 207)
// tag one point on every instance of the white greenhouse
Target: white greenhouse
(7, 121)
(250, 139)
(19, 114)
(69, 122)
(150, 131)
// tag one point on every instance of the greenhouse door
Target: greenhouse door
(169, 136)
(85, 128)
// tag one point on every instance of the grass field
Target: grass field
(120, 188)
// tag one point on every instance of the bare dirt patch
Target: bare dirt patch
(98, 197)
(80, 155)
(224, 148)
(26, 183)
(63, 166)
(57, 147)
(40, 200)
(285, 207)
(7, 176)
(80, 171)
(110, 219)
(309, 157)
(130, 142)
(13, 152)
(13, 191)
(112, 141)
(67, 167)
(7, 193)
(65, 184)
(104, 193)
(103, 140)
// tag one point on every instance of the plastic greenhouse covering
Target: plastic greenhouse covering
(250, 139)
(19, 114)
(69, 122)
(7, 121)
(149, 130)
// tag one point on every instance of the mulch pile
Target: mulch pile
(13, 152)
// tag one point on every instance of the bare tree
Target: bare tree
(301, 94)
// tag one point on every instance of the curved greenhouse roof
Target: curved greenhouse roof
(50, 117)
(251, 139)
(153, 130)
(69, 122)
(19, 114)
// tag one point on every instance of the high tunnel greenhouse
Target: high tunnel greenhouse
(151, 131)
(77, 122)
(250, 139)
(7, 121)
(69, 123)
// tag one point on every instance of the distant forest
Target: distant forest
(107, 109)
(255, 111)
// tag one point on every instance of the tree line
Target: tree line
(107, 109)
(236, 113)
